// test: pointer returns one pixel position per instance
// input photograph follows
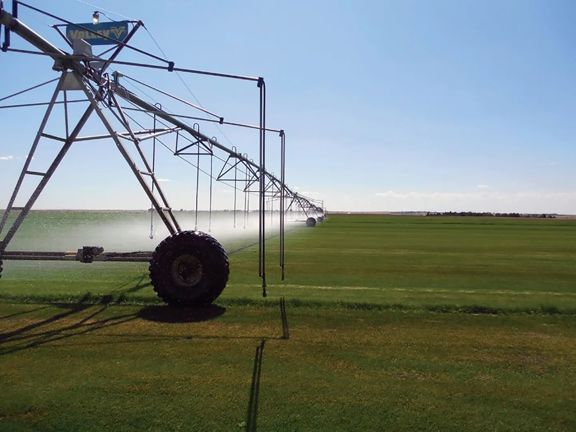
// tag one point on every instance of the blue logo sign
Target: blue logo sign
(108, 33)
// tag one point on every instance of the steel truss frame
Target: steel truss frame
(104, 96)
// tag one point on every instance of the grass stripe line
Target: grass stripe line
(298, 303)
(410, 289)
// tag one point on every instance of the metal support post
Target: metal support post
(46, 176)
(172, 228)
(30, 156)
(122, 117)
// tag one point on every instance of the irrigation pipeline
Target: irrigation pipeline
(98, 88)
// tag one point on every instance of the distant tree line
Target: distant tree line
(489, 214)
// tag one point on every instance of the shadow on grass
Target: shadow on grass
(77, 320)
(22, 313)
(175, 314)
(254, 399)
(114, 295)
(135, 284)
(36, 334)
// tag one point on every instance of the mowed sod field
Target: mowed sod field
(395, 323)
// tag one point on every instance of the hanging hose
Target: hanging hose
(235, 185)
(262, 186)
(246, 195)
(271, 211)
(159, 106)
(197, 179)
(211, 179)
(282, 203)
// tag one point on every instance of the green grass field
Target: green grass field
(396, 323)
(402, 262)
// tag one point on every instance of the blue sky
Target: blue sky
(388, 105)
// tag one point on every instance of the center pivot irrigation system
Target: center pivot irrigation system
(187, 267)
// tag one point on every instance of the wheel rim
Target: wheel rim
(187, 271)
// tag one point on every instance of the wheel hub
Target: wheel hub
(187, 270)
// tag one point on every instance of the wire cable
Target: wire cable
(29, 89)
(184, 83)
(100, 9)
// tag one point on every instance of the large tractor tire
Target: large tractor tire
(310, 222)
(0, 268)
(189, 268)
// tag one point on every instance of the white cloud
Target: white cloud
(163, 180)
(482, 186)
(7, 158)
